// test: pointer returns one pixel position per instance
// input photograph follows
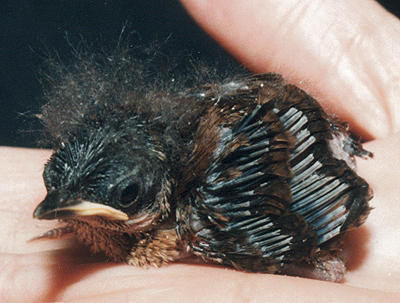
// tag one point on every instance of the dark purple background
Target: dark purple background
(30, 28)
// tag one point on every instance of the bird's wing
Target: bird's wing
(325, 189)
(240, 214)
(280, 182)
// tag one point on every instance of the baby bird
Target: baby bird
(250, 173)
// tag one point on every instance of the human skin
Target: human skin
(357, 81)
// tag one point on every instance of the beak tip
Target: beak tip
(38, 212)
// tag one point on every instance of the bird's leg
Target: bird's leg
(55, 233)
(324, 266)
(328, 267)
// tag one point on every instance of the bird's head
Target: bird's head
(108, 175)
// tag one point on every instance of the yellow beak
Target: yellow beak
(82, 208)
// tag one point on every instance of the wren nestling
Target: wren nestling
(249, 172)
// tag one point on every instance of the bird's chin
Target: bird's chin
(138, 223)
(97, 222)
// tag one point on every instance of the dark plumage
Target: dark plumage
(247, 172)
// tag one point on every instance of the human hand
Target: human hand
(344, 53)
(64, 270)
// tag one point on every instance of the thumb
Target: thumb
(344, 53)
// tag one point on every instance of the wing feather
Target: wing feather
(325, 189)
(274, 190)
(243, 206)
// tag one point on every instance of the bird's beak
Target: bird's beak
(50, 208)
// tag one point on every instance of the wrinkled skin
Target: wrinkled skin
(348, 54)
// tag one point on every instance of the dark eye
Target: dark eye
(129, 195)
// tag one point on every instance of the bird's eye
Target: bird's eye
(129, 195)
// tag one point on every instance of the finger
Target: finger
(345, 53)
(375, 247)
(21, 189)
(60, 279)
